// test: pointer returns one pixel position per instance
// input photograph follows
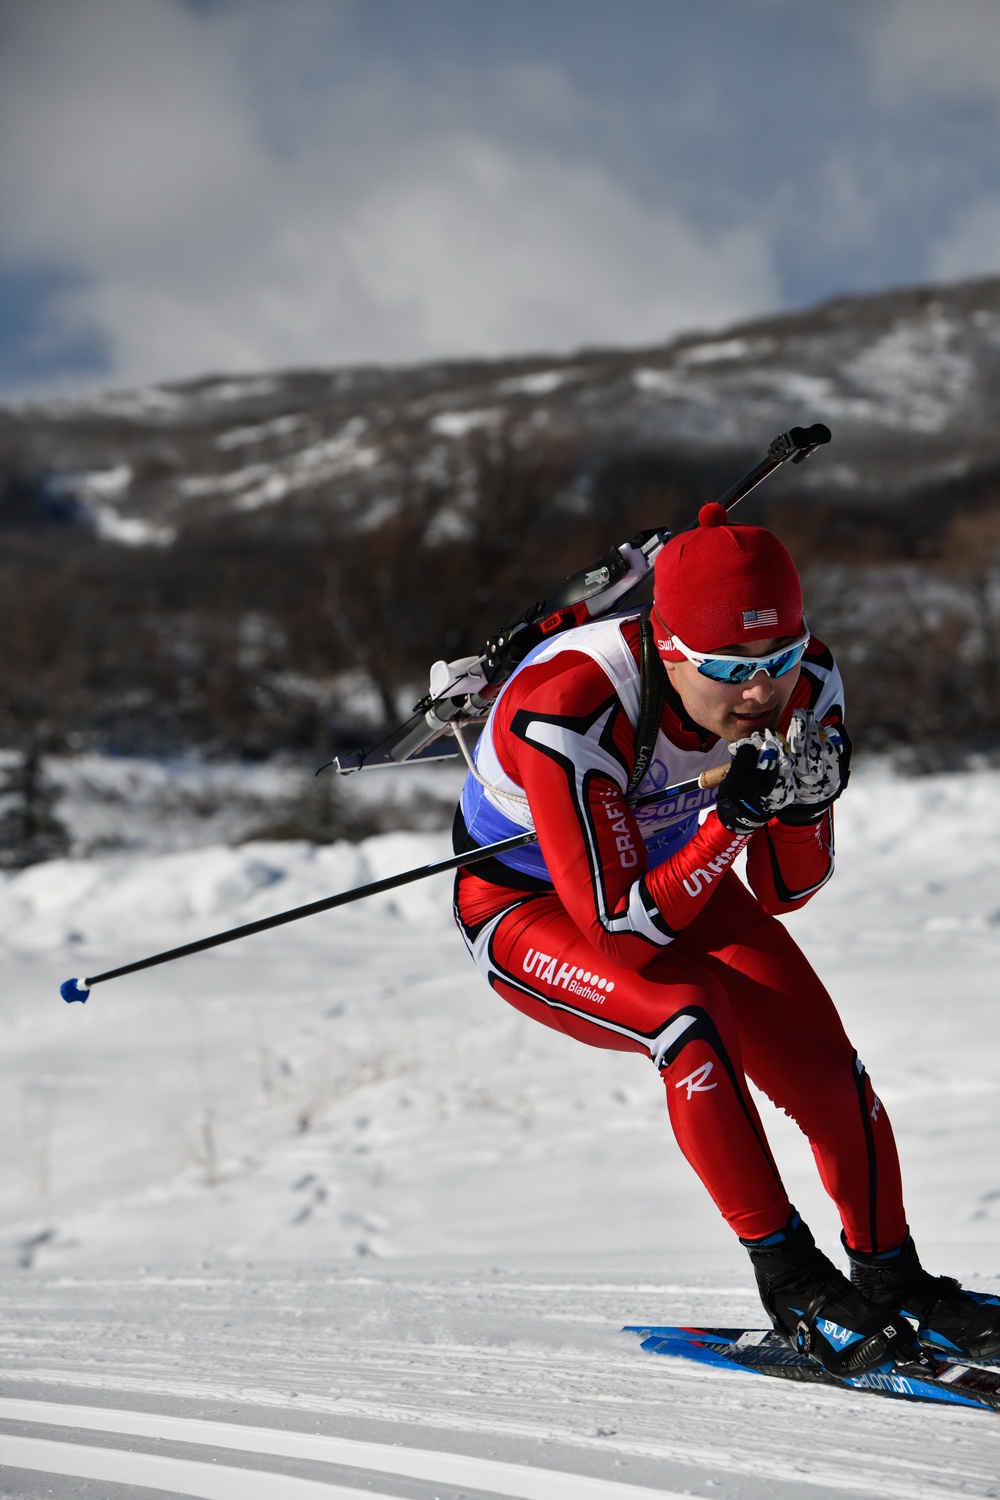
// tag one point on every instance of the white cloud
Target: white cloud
(116, 120)
(971, 246)
(936, 63)
(382, 231)
(937, 48)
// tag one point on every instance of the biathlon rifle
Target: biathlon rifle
(462, 692)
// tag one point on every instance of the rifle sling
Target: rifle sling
(652, 695)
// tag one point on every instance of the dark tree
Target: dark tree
(30, 831)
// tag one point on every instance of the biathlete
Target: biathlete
(626, 927)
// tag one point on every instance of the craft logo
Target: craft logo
(627, 856)
(754, 619)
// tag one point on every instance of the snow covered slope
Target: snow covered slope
(322, 1180)
(349, 1085)
(908, 379)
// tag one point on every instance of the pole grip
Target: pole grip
(715, 777)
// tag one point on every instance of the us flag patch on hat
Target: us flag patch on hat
(753, 619)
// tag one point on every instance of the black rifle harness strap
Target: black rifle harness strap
(652, 695)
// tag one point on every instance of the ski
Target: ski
(763, 1352)
(731, 1335)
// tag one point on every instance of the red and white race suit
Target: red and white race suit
(629, 929)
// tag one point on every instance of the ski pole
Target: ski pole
(79, 989)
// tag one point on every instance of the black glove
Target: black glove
(821, 767)
(758, 783)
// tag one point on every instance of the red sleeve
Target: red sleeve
(566, 739)
(787, 865)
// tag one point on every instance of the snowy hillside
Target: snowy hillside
(907, 379)
(323, 1182)
(252, 568)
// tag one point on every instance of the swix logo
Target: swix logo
(695, 1082)
(876, 1107)
(581, 982)
(627, 857)
(701, 877)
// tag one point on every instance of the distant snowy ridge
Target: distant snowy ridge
(908, 379)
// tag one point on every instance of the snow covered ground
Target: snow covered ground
(110, 803)
(322, 1182)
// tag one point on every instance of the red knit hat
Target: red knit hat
(722, 584)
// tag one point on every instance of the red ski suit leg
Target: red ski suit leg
(675, 1011)
(709, 1012)
(796, 1051)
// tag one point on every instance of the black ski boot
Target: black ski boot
(949, 1319)
(819, 1312)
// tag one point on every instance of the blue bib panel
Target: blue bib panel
(676, 823)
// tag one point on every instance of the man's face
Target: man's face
(733, 712)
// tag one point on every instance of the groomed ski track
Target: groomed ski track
(432, 1381)
(229, 1470)
(371, 1462)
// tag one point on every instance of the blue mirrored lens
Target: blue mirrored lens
(736, 669)
(728, 671)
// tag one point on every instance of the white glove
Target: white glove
(816, 753)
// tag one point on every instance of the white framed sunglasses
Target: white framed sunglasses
(738, 669)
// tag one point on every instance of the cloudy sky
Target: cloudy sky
(226, 185)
